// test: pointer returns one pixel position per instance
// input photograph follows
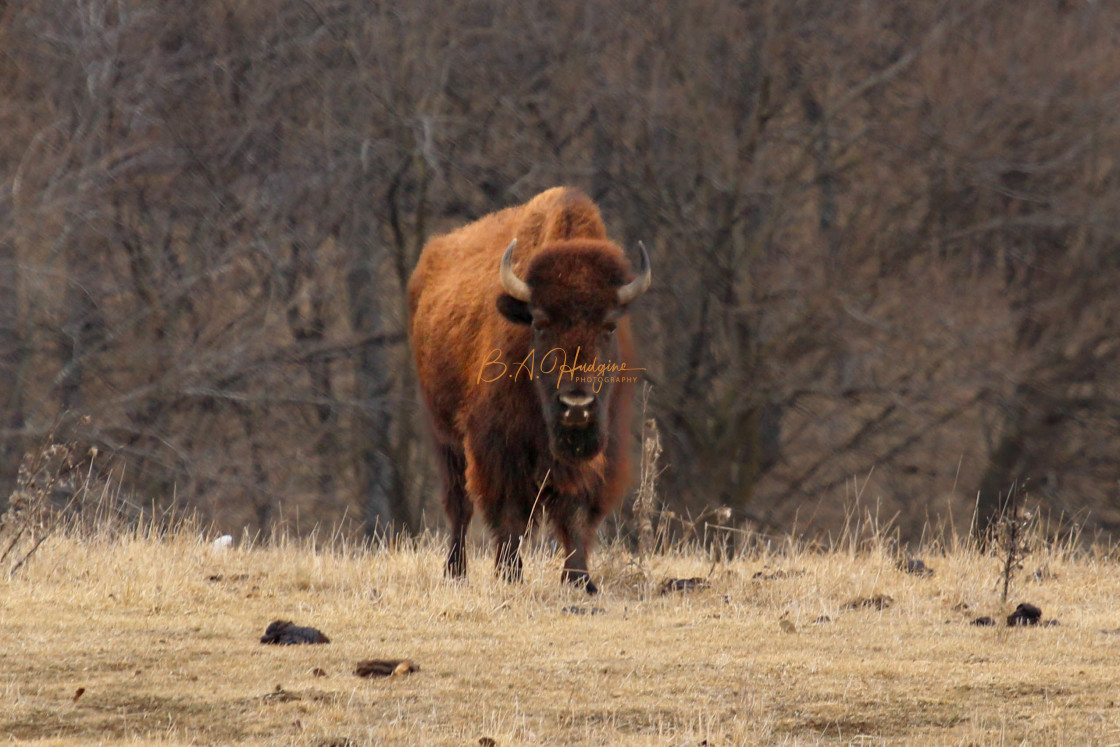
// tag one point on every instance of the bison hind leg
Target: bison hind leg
(459, 509)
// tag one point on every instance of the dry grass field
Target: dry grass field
(138, 639)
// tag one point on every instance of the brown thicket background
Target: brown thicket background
(884, 239)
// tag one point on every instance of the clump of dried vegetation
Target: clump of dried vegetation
(53, 482)
(72, 488)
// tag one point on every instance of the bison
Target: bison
(524, 356)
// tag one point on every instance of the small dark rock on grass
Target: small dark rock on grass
(670, 585)
(280, 695)
(385, 668)
(287, 633)
(877, 602)
(765, 575)
(1025, 614)
(916, 567)
(576, 609)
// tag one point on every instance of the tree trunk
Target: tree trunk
(12, 355)
(383, 510)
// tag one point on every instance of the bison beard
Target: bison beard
(496, 307)
(575, 443)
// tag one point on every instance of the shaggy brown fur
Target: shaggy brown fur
(491, 369)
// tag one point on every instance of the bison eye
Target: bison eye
(609, 327)
(541, 322)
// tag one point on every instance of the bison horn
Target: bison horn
(638, 285)
(513, 285)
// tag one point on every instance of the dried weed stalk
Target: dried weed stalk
(1013, 537)
(644, 501)
(52, 481)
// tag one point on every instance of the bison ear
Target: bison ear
(516, 311)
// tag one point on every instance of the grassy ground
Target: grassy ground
(163, 637)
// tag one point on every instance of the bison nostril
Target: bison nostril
(577, 400)
(576, 417)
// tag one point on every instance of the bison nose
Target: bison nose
(576, 412)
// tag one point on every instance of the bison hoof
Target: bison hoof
(455, 569)
(581, 580)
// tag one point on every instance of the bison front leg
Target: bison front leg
(495, 477)
(576, 531)
(575, 571)
(509, 522)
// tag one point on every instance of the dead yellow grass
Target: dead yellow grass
(162, 635)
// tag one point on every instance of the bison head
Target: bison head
(572, 297)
